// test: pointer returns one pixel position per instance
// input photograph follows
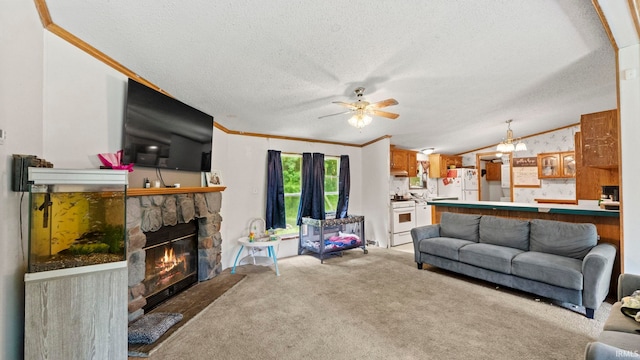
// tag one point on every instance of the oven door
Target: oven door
(404, 219)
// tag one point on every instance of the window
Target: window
(292, 177)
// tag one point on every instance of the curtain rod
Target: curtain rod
(294, 153)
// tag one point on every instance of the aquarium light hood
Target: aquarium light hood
(51, 176)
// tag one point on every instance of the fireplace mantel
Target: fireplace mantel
(167, 191)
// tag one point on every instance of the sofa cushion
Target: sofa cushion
(617, 321)
(488, 256)
(505, 232)
(460, 226)
(562, 238)
(548, 268)
(443, 246)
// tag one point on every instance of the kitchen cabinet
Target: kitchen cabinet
(589, 180)
(556, 165)
(404, 161)
(600, 139)
(494, 171)
(440, 163)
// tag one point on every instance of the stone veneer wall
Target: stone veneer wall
(150, 213)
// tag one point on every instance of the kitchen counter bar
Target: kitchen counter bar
(529, 207)
(607, 222)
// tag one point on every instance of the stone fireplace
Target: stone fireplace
(155, 214)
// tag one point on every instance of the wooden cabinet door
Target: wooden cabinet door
(494, 171)
(589, 180)
(600, 139)
(549, 165)
(434, 165)
(412, 163)
(568, 160)
(398, 159)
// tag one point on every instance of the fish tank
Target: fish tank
(76, 218)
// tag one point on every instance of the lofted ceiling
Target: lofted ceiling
(459, 69)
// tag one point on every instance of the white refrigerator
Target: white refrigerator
(460, 183)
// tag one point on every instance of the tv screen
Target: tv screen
(162, 132)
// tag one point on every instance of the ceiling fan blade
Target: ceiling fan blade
(340, 113)
(383, 103)
(384, 114)
(345, 104)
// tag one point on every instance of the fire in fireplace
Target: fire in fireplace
(171, 262)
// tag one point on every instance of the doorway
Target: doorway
(494, 176)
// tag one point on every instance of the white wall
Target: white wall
(21, 117)
(629, 58)
(83, 106)
(375, 195)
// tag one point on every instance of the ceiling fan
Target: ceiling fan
(363, 110)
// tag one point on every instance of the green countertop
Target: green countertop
(530, 207)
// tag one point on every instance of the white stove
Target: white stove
(403, 219)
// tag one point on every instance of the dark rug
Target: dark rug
(149, 328)
(189, 304)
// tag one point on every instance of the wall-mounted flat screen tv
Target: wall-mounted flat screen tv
(162, 132)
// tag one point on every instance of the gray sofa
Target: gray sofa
(620, 337)
(552, 259)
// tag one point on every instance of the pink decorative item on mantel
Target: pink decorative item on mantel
(114, 161)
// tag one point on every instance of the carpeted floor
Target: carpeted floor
(377, 306)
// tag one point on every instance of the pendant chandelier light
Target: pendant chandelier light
(360, 119)
(509, 144)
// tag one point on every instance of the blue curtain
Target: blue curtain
(304, 210)
(276, 216)
(344, 186)
(317, 201)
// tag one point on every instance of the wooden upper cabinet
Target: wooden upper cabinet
(440, 163)
(600, 139)
(494, 171)
(398, 159)
(589, 180)
(404, 160)
(556, 165)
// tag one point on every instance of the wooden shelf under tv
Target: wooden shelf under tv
(166, 191)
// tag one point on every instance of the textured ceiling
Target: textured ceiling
(459, 69)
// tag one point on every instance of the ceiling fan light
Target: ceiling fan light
(360, 120)
(353, 121)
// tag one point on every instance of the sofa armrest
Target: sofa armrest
(601, 351)
(597, 266)
(420, 233)
(627, 284)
